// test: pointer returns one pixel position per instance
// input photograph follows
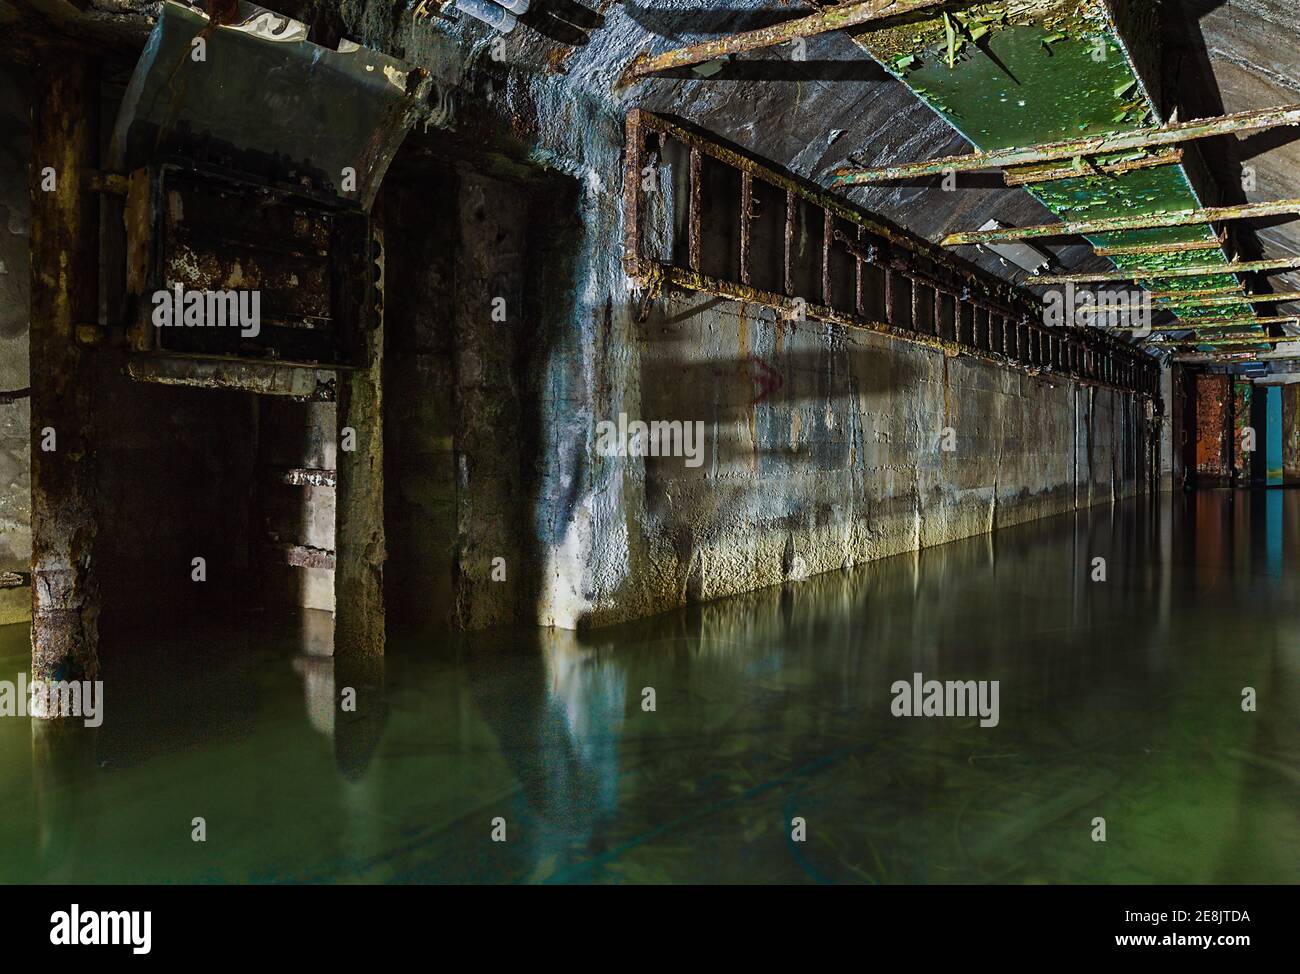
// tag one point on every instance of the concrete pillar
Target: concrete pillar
(1214, 402)
(64, 294)
(359, 544)
(1291, 433)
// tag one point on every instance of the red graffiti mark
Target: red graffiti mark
(767, 378)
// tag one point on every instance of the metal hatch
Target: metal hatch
(266, 103)
(254, 157)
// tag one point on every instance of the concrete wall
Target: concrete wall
(821, 446)
(1213, 430)
(822, 449)
(1291, 433)
(15, 455)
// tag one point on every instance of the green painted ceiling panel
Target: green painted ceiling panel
(1023, 72)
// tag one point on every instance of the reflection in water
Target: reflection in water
(1119, 699)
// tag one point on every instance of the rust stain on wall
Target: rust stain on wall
(1213, 401)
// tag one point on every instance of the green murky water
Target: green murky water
(1118, 699)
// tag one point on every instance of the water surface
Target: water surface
(1118, 699)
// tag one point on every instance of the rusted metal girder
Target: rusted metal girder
(859, 273)
(1046, 173)
(64, 260)
(1211, 270)
(833, 18)
(1224, 291)
(1143, 250)
(1153, 221)
(1213, 301)
(1226, 340)
(1217, 358)
(1194, 324)
(1142, 138)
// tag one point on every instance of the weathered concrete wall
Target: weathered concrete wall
(15, 453)
(1291, 433)
(821, 450)
(1213, 430)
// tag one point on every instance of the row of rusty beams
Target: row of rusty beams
(1212, 324)
(1240, 338)
(987, 318)
(1152, 221)
(1206, 270)
(1076, 149)
(1028, 165)
(1215, 300)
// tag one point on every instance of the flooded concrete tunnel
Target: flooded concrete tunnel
(650, 442)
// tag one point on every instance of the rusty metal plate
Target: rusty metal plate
(256, 97)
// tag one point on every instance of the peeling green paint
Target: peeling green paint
(1041, 71)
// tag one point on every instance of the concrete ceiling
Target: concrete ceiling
(1231, 56)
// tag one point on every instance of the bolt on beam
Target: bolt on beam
(1177, 218)
(833, 18)
(1142, 138)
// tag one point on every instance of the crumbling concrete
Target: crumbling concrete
(15, 416)
(65, 289)
(1291, 433)
(359, 612)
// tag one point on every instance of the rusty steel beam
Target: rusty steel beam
(1213, 358)
(1142, 250)
(1199, 292)
(833, 18)
(931, 274)
(1225, 340)
(1154, 221)
(1194, 324)
(1212, 301)
(1142, 138)
(1204, 270)
(1032, 175)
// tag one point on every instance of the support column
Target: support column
(64, 293)
(359, 543)
(1291, 433)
